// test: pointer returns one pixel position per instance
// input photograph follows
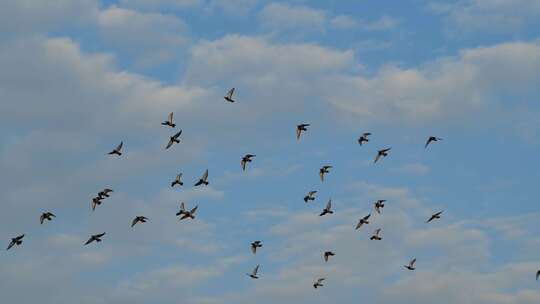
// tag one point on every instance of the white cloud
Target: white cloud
(414, 168)
(282, 16)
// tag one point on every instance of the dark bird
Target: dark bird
(177, 180)
(327, 209)
(15, 241)
(173, 139)
(255, 245)
(363, 221)
(246, 159)
(117, 150)
(537, 274)
(310, 196)
(186, 214)
(253, 274)
(431, 139)
(139, 219)
(203, 180)
(318, 283)
(435, 216)
(169, 121)
(229, 95)
(105, 193)
(381, 153)
(328, 254)
(323, 170)
(300, 128)
(364, 138)
(95, 237)
(96, 201)
(46, 216)
(379, 204)
(376, 236)
(411, 264)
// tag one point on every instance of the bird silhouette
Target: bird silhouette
(310, 196)
(46, 216)
(246, 159)
(411, 264)
(173, 140)
(327, 209)
(203, 180)
(381, 153)
(376, 236)
(435, 216)
(105, 193)
(430, 140)
(138, 219)
(117, 150)
(318, 283)
(323, 170)
(363, 138)
(537, 274)
(253, 274)
(95, 238)
(184, 214)
(96, 201)
(177, 180)
(16, 241)
(363, 221)
(300, 128)
(169, 121)
(379, 204)
(255, 245)
(229, 95)
(327, 255)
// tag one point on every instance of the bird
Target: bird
(95, 237)
(363, 221)
(173, 139)
(15, 241)
(327, 209)
(435, 216)
(177, 180)
(255, 245)
(310, 196)
(411, 264)
(186, 214)
(376, 236)
(96, 201)
(253, 274)
(139, 219)
(328, 254)
(300, 128)
(105, 193)
(203, 180)
(379, 204)
(46, 216)
(537, 274)
(117, 150)
(169, 121)
(431, 139)
(246, 159)
(323, 170)
(229, 95)
(381, 153)
(363, 138)
(318, 283)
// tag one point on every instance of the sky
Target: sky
(78, 77)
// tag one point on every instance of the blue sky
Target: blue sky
(78, 77)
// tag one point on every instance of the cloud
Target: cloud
(414, 169)
(282, 16)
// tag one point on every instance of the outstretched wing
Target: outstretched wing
(329, 205)
(192, 211)
(169, 144)
(230, 93)
(119, 147)
(377, 157)
(205, 175)
(177, 134)
(256, 270)
(412, 262)
(170, 118)
(42, 218)
(243, 164)
(135, 220)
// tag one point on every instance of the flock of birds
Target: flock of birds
(184, 213)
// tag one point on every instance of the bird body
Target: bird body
(169, 121)
(229, 95)
(300, 128)
(46, 216)
(173, 140)
(537, 274)
(95, 238)
(323, 170)
(327, 255)
(318, 283)
(430, 140)
(376, 236)
(177, 180)
(203, 180)
(310, 196)
(184, 214)
(246, 159)
(117, 150)
(379, 204)
(253, 274)
(381, 153)
(435, 216)
(411, 264)
(327, 209)
(138, 219)
(255, 245)
(16, 241)
(363, 138)
(363, 221)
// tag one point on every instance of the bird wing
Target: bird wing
(89, 240)
(230, 93)
(366, 217)
(377, 157)
(177, 134)
(319, 281)
(537, 274)
(42, 218)
(329, 205)
(119, 146)
(169, 144)
(135, 220)
(298, 132)
(412, 262)
(205, 175)
(321, 174)
(100, 235)
(94, 203)
(256, 270)
(192, 211)
(10, 245)
(427, 142)
(182, 206)
(243, 164)
(358, 225)
(311, 193)
(170, 118)
(377, 231)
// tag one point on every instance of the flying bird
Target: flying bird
(253, 274)
(173, 139)
(310, 196)
(96, 201)
(15, 241)
(376, 236)
(328, 254)
(177, 181)
(169, 121)
(246, 159)
(203, 180)
(318, 283)
(255, 245)
(117, 150)
(431, 139)
(411, 264)
(139, 219)
(95, 237)
(105, 193)
(229, 96)
(363, 138)
(300, 128)
(46, 216)
(381, 153)
(537, 274)
(363, 221)
(435, 216)
(323, 170)
(327, 209)
(186, 214)
(379, 204)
